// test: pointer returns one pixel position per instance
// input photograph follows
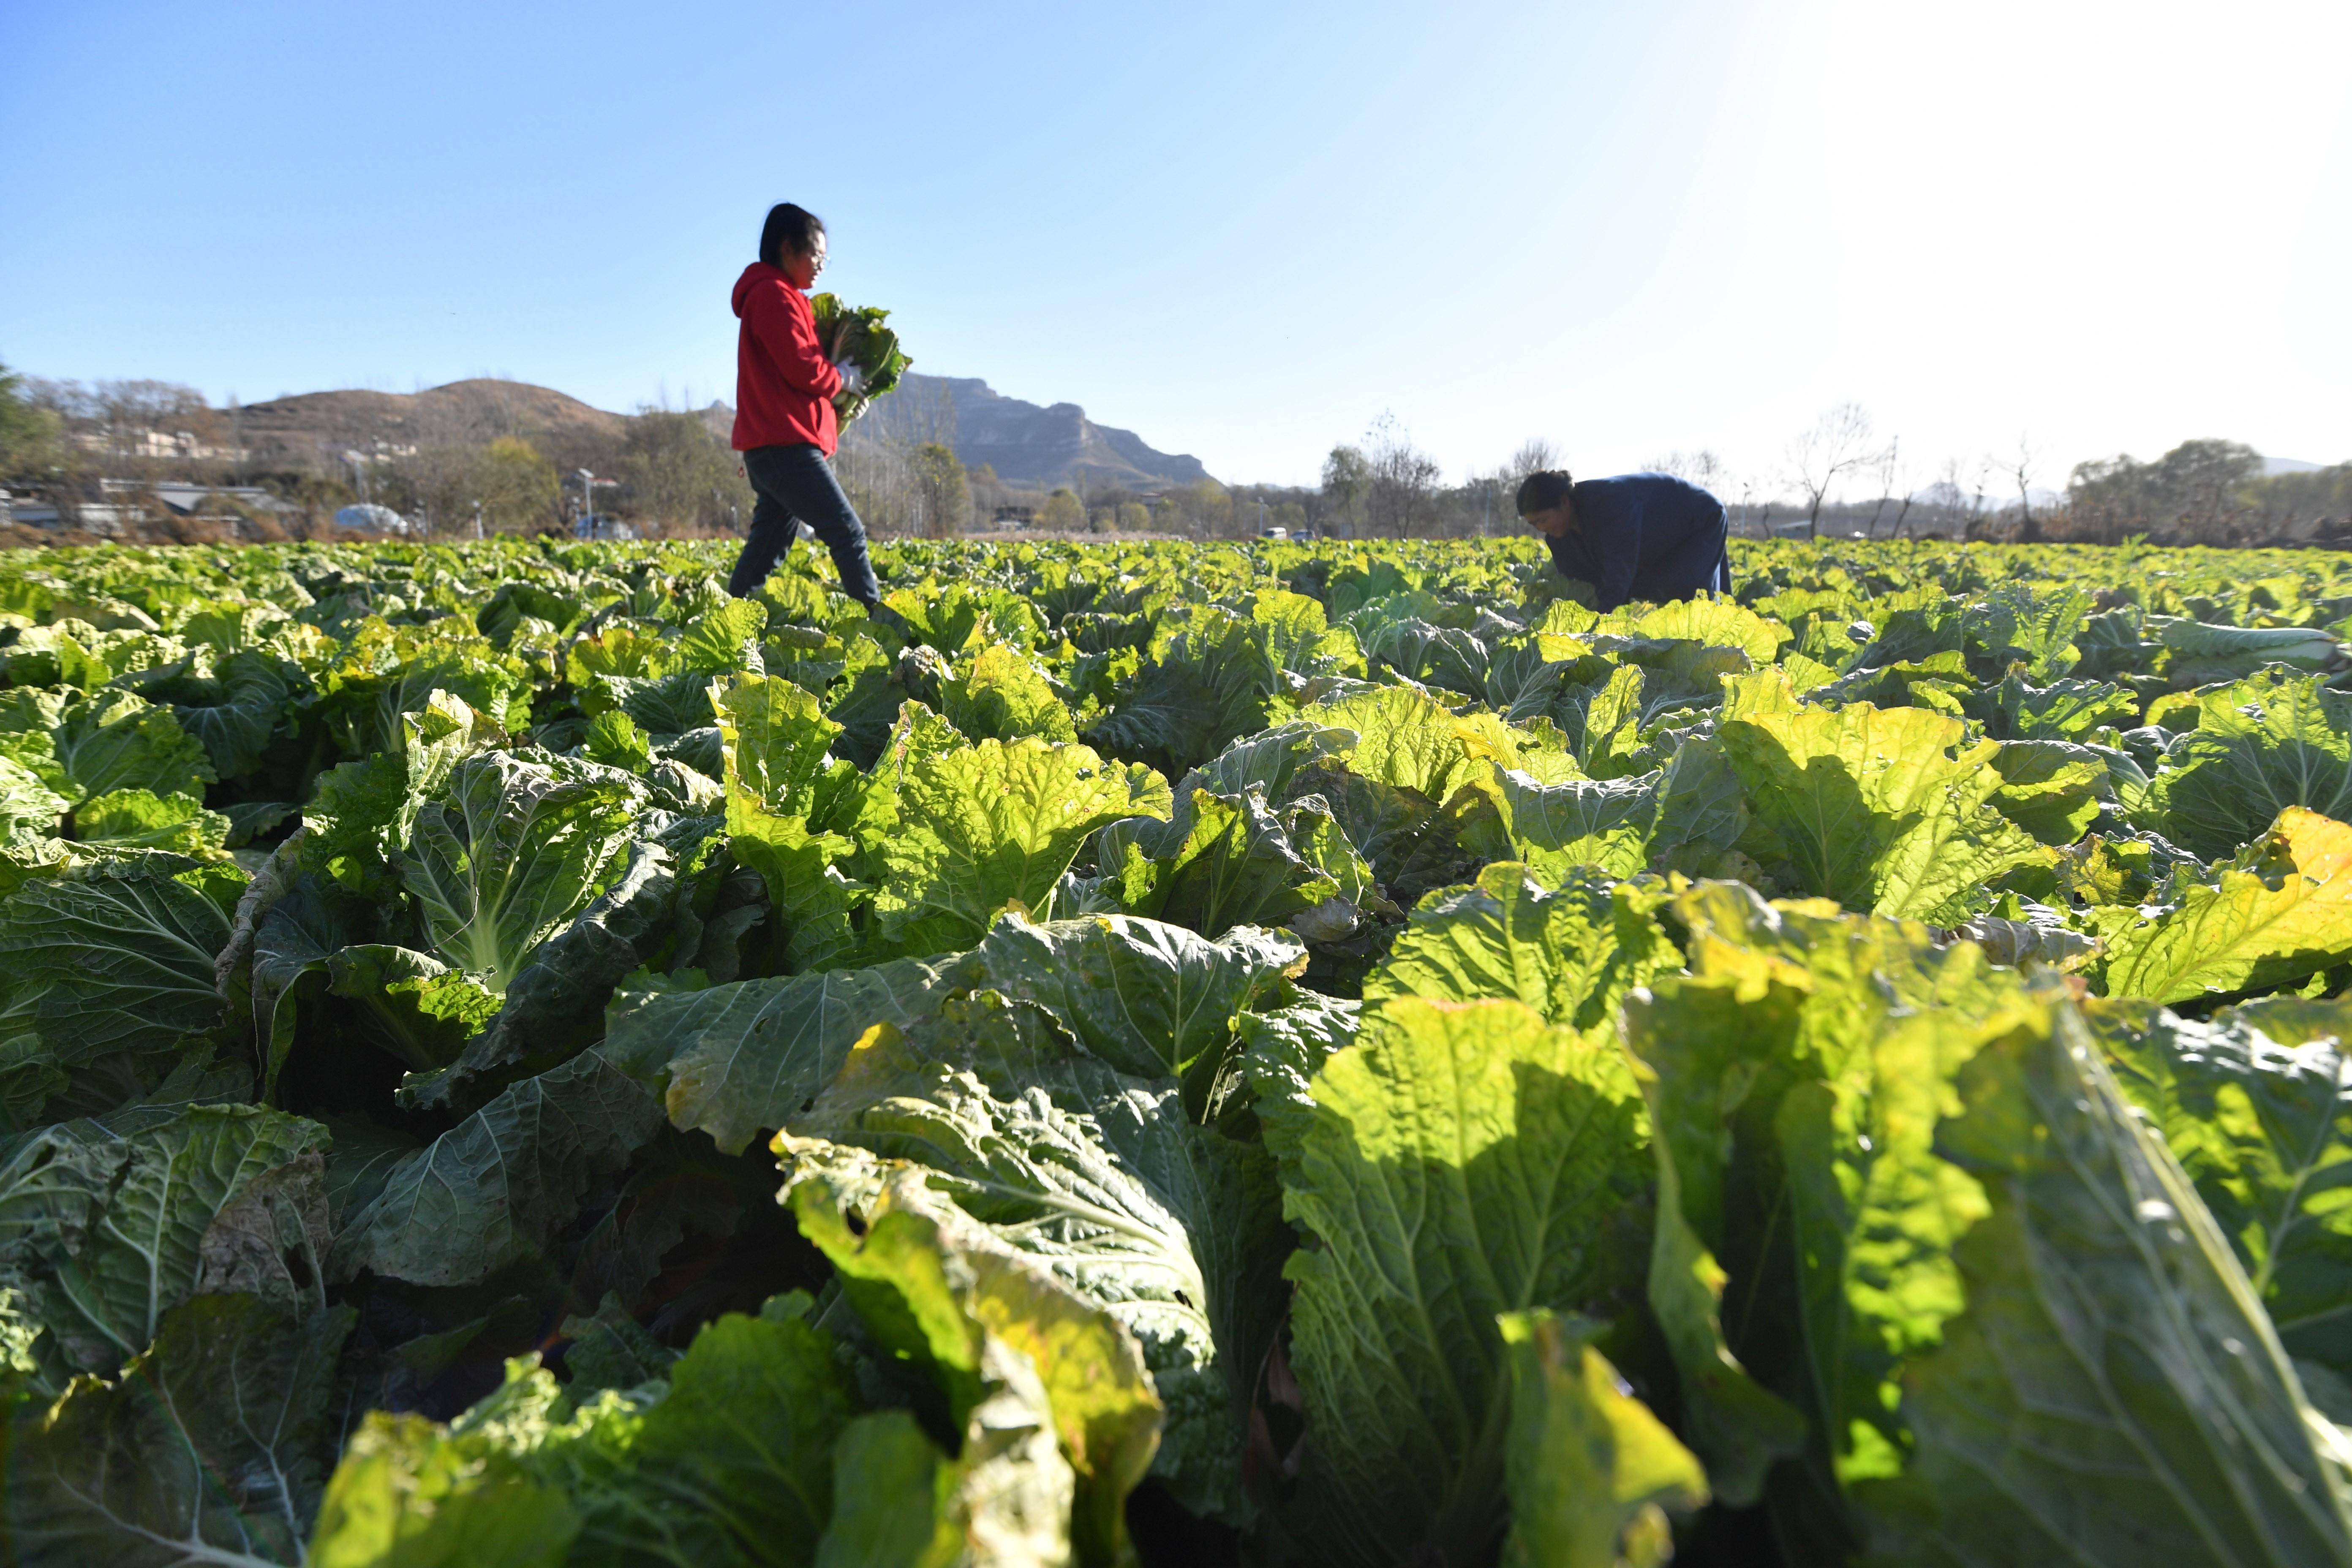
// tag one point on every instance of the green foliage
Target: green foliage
(1497, 1103)
(737, 1060)
(1173, 1229)
(2258, 746)
(494, 1188)
(141, 819)
(680, 471)
(2280, 912)
(1008, 1345)
(2093, 1238)
(32, 438)
(1960, 1178)
(516, 484)
(116, 957)
(1868, 806)
(206, 1448)
(218, 1197)
(985, 826)
(1571, 953)
(857, 337)
(409, 1495)
(506, 858)
(1592, 1471)
(2254, 1106)
(1464, 1160)
(115, 741)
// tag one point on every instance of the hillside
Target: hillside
(1025, 443)
(316, 426)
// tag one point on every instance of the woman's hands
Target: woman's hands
(850, 401)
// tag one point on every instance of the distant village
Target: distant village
(154, 462)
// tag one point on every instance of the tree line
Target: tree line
(672, 473)
(1839, 478)
(474, 464)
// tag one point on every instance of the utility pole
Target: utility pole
(477, 519)
(588, 503)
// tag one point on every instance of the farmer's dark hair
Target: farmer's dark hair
(789, 228)
(1543, 490)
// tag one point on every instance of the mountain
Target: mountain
(316, 426)
(1025, 444)
(2273, 467)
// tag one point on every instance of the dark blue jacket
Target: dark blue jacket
(1644, 536)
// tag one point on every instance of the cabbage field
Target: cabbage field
(1290, 1054)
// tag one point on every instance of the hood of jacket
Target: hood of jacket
(759, 272)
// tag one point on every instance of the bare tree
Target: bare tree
(882, 482)
(2022, 462)
(1535, 455)
(1702, 467)
(1499, 490)
(1838, 444)
(1946, 502)
(1404, 478)
(1979, 504)
(1902, 483)
(1892, 482)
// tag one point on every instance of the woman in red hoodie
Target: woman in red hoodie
(784, 421)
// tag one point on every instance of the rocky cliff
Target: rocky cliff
(1025, 444)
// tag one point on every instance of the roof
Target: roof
(187, 499)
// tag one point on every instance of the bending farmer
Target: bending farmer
(785, 425)
(1639, 536)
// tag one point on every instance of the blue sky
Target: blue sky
(1244, 231)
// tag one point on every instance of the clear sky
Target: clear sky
(1243, 230)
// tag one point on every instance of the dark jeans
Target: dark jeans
(796, 484)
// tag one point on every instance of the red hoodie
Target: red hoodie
(783, 382)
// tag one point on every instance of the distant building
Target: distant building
(187, 498)
(156, 443)
(374, 519)
(599, 526)
(27, 511)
